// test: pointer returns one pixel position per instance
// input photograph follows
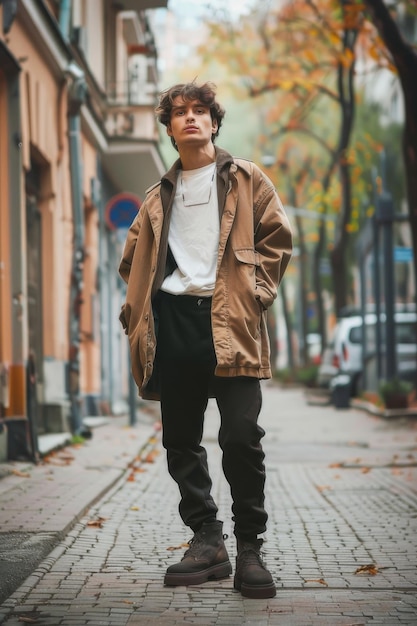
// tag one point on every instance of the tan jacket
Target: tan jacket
(254, 250)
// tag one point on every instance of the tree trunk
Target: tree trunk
(318, 255)
(288, 324)
(303, 304)
(405, 59)
(347, 102)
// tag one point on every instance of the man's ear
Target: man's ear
(214, 126)
(169, 131)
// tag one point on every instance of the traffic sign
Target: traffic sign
(121, 210)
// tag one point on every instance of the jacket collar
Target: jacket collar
(223, 161)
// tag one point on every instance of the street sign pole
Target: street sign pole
(120, 212)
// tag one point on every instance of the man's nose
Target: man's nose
(190, 115)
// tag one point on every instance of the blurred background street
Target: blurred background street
(321, 94)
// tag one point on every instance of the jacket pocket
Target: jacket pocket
(124, 318)
(248, 262)
(251, 259)
(248, 256)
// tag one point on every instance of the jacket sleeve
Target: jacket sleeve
(129, 248)
(273, 239)
(126, 262)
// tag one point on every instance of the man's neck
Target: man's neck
(192, 158)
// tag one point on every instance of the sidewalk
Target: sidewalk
(342, 498)
(40, 504)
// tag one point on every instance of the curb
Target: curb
(323, 398)
(386, 413)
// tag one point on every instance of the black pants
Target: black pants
(186, 359)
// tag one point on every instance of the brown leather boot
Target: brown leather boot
(205, 558)
(252, 578)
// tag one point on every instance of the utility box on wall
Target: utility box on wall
(19, 445)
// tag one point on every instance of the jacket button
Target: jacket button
(146, 317)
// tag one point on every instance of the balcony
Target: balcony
(130, 110)
(132, 158)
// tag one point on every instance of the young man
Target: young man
(202, 262)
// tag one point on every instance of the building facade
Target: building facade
(78, 84)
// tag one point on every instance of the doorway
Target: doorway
(35, 374)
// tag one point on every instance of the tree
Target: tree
(304, 53)
(404, 58)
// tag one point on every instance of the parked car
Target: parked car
(327, 368)
(344, 353)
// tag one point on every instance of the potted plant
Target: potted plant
(395, 393)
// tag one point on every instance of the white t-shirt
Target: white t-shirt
(194, 233)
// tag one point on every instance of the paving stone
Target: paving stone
(324, 523)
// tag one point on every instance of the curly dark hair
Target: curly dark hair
(205, 93)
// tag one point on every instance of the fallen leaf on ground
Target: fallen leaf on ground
(336, 465)
(61, 460)
(134, 508)
(370, 569)
(323, 487)
(131, 477)
(317, 580)
(182, 545)
(365, 470)
(96, 523)
(150, 457)
(17, 472)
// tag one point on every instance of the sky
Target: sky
(196, 9)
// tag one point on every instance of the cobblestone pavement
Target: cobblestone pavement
(341, 543)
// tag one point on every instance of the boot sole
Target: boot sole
(222, 570)
(256, 592)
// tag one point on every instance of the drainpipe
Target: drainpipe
(76, 98)
(104, 291)
(65, 18)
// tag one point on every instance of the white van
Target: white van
(347, 344)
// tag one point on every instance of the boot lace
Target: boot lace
(197, 545)
(250, 556)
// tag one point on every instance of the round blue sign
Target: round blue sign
(121, 210)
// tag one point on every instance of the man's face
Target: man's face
(191, 123)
